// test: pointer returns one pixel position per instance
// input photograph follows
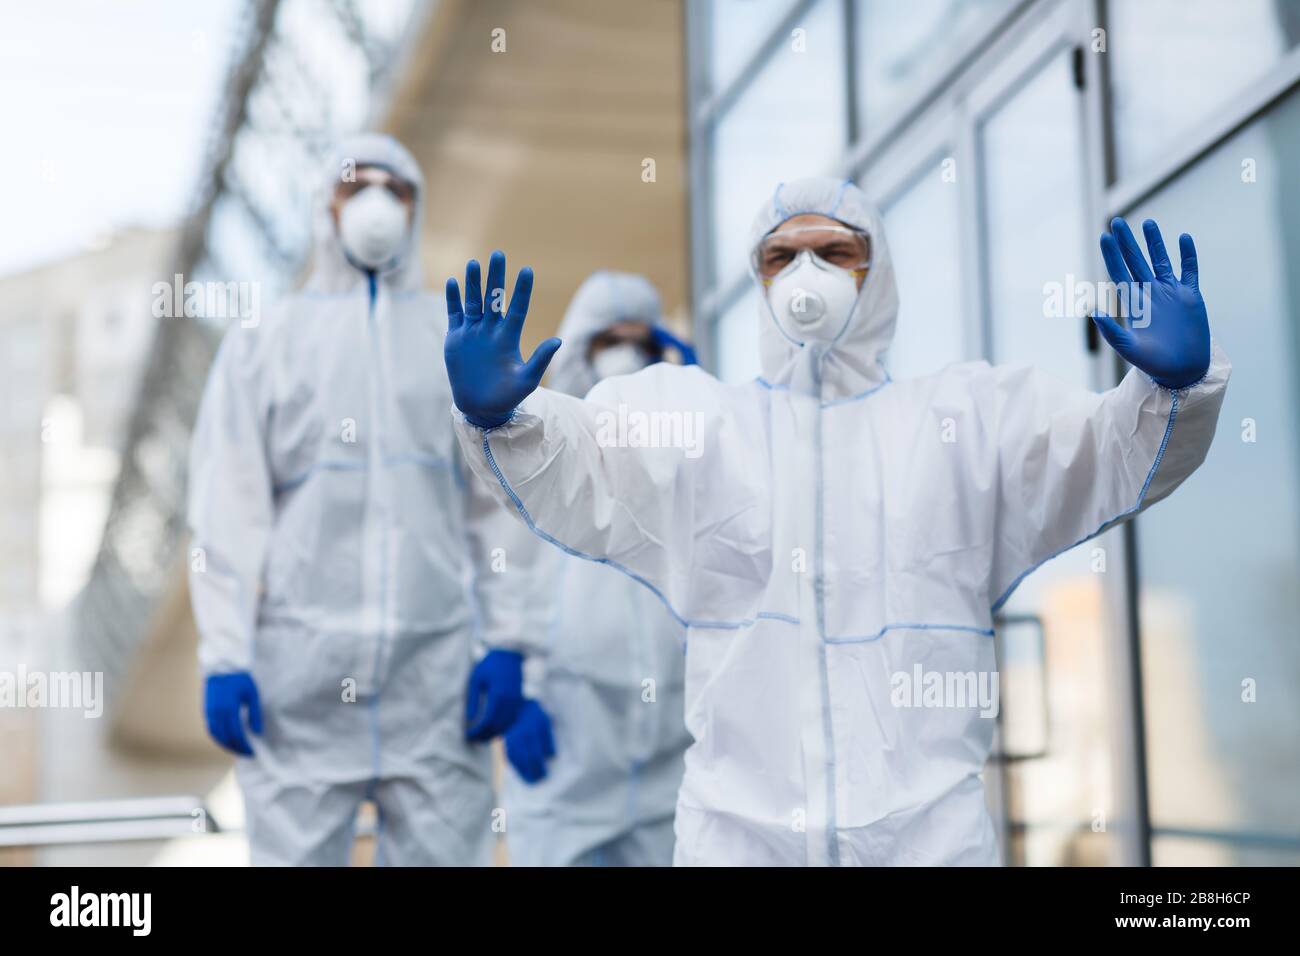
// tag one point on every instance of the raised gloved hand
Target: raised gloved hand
(224, 698)
(495, 695)
(1168, 335)
(488, 375)
(529, 743)
(666, 340)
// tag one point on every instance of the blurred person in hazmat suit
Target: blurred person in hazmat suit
(596, 752)
(344, 553)
(839, 529)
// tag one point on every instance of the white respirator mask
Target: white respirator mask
(622, 359)
(812, 299)
(373, 227)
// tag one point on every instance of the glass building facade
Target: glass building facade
(1150, 677)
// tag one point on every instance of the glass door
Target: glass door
(1219, 562)
(1032, 146)
(920, 190)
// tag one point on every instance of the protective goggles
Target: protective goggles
(400, 189)
(839, 246)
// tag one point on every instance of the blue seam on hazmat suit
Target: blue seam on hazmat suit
(848, 399)
(997, 605)
(701, 625)
(986, 631)
(1160, 454)
(819, 598)
(343, 464)
(532, 526)
(974, 629)
(376, 451)
(787, 214)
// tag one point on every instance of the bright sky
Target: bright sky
(106, 111)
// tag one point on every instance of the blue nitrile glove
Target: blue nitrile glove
(488, 375)
(494, 695)
(529, 743)
(1171, 339)
(666, 340)
(224, 698)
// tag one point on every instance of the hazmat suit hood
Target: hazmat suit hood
(331, 270)
(603, 300)
(851, 363)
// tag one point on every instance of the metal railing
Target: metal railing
(104, 821)
(35, 825)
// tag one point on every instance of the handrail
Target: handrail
(104, 821)
(116, 821)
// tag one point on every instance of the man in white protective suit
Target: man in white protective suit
(597, 750)
(837, 528)
(339, 533)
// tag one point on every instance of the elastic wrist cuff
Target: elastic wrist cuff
(486, 424)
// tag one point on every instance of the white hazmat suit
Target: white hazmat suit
(610, 675)
(338, 535)
(838, 529)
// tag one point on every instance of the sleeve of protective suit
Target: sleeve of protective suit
(514, 574)
(559, 465)
(1071, 463)
(230, 506)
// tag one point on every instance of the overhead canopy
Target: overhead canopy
(540, 148)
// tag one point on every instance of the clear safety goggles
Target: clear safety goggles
(400, 189)
(839, 246)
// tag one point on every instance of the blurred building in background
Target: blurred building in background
(555, 131)
(76, 333)
(1149, 678)
(122, 387)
